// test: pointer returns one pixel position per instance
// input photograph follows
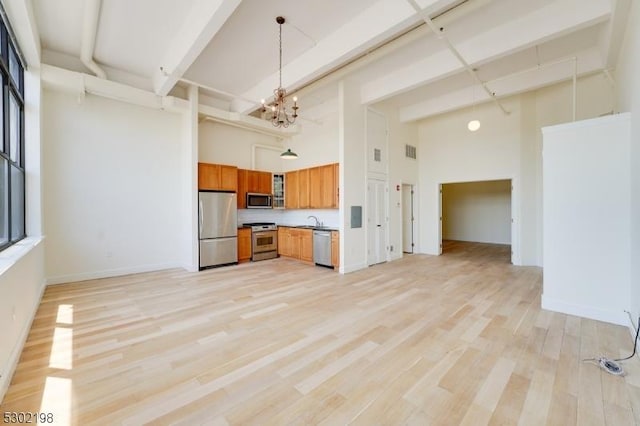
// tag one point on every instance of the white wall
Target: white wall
(448, 152)
(587, 218)
(628, 99)
(477, 211)
(113, 187)
(352, 175)
(21, 287)
(505, 147)
(22, 277)
(224, 144)
(402, 170)
(317, 143)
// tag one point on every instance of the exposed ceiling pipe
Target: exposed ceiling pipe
(427, 19)
(89, 31)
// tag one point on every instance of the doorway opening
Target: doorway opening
(408, 219)
(476, 219)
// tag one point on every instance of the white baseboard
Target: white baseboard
(14, 357)
(352, 268)
(84, 276)
(591, 312)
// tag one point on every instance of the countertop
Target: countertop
(319, 228)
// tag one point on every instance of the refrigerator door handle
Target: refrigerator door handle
(200, 218)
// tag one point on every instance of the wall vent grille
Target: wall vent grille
(410, 151)
(377, 155)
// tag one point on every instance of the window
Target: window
(12, 176)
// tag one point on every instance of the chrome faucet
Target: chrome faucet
(318, 223)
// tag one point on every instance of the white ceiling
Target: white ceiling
(230, 47)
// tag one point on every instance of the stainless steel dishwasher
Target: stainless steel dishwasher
(322, 248)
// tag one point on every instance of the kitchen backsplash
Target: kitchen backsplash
(329, 217)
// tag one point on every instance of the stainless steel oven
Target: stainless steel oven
(264, 240)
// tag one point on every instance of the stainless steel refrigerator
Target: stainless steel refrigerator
(218, 228)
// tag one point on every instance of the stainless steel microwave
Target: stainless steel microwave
(259, 201)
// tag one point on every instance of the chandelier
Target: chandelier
(279, 115)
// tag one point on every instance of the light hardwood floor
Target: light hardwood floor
(455, 339)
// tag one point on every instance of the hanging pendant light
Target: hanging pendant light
(474, 124)
(278, 109)
(288, 155)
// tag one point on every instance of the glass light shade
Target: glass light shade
(289, 155)
(473, 125)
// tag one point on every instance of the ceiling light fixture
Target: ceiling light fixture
(288, 155)
(279, 115)
(474, 124)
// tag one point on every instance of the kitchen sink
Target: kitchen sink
(312, 227)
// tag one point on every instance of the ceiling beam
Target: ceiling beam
(23, 23)
(614, 35)
(589, 61)
(554, 20)
(204, 20)
(374, 25)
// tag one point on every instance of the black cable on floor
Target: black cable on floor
(635, 344)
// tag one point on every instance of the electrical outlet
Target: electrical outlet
(391, 248)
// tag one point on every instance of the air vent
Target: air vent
(376, 155)
(410, 151)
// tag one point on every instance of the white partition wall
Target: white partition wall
(587, 218)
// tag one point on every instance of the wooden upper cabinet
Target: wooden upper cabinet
(228, 178)
(323, 187)
(217, 177)
(328, 187)
(336, 185)
(291, 200)
(253, 181)
(303, 189)
(242, 188)
(208, 176)
(315, 187)
(265, 182)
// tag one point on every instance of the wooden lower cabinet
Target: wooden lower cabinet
(306, 245)
(335, 249)
(295, 243)
(244, 244)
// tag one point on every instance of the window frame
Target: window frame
(9, 54)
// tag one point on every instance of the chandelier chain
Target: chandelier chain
(280, 44)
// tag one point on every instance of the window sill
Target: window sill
(13, 254)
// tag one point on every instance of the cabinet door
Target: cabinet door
(328, 186)
(306, 245)
(303, 188)
(265, 183)
(294, 243)
(228, 178)
(283, 241)
(335, 249)
(242, 188)
(244, 244)
(253, 181)
(315, 187)
(208, 176)
(336, 185)
(291, 199)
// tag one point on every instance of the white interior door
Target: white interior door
(407, 218)
(376, 222)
